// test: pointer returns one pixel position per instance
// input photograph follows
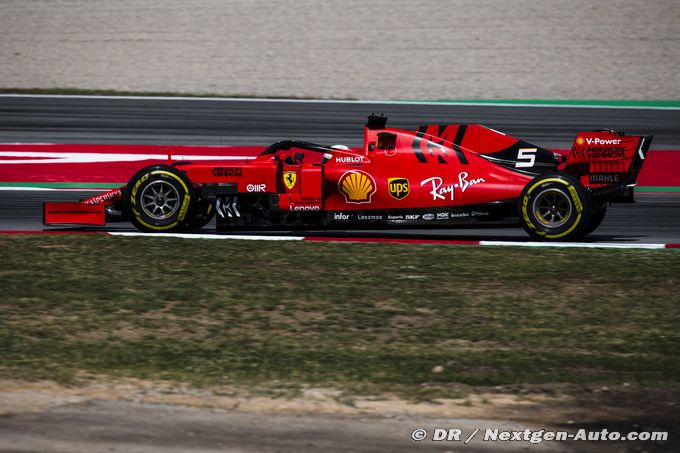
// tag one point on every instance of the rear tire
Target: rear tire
(595, 220)
(555, 208)
(159, 199)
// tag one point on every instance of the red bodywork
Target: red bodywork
(435, 167)
(440, 180)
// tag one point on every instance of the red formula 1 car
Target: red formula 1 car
(437, 175)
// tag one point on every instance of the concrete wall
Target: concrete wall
(381, 49)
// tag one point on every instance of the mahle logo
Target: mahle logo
(357, 186)
(398, 188)
(289, 179)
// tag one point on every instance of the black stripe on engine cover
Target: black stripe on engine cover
(457, 141)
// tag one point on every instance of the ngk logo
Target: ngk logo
(601, 141)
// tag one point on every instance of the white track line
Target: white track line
(47, 157)
(208, 236)
(483, 243)
(337, 101)
(589, 245)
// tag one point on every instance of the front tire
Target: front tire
(203, 213)
(158, 199)
(555, 208)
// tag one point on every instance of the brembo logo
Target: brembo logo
(600, 141)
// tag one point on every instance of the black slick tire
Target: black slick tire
(202, 214)
(595, 220)
(159, 198)
(555, 207)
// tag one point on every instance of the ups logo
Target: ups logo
(398, 188)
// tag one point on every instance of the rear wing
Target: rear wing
(608, 162)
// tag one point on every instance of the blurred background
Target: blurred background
(381, 49)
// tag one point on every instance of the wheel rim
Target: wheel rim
(552, 208)
(160, 200)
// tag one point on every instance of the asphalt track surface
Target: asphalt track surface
(95, 426)
(262, 122)
(124, 426)
(654, 219)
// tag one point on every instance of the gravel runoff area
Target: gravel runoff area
(380, 49)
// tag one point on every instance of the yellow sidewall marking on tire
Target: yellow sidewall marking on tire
(183, 210)
(543, 181)
(574, 196)
(157, 228)
(525, 202)
(136, 187)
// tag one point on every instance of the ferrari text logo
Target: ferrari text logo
(357, 186)
(398, 188)
(289, 179)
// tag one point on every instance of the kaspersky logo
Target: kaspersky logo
(357, 186)
(398, 188)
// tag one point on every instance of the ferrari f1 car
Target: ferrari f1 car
(437, 175)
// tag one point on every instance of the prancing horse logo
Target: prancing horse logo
(289, 179)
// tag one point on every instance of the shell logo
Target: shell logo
(580, 141)
(357, 186)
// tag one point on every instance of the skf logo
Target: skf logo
(398, 187)
(357, 187)
(580, 141)
(289, 179)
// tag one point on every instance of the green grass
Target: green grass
(363, 318)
